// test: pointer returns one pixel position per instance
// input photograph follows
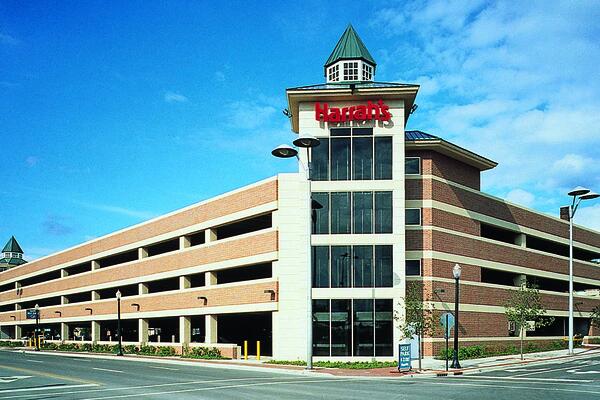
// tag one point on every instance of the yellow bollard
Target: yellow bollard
(258, 349)
(245, 349)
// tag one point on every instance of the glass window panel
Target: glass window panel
(363, 327)
(363, 266)
(320, 310)
(383, 212)
(340, 266)
(320, 216)
(320, 262)
(339, 131)
(362, 131)
(341, 334)
(319, 166)
(340, 212)
(413, 216)
(362, 158)
(340, 159)
(383, 158)
(383, 327)
(412, 166)
(362, 204)
(413, 267)
(383, 266)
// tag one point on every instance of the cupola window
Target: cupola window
(351, 71)
(334, 73)
(367, 72)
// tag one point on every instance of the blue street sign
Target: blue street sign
(404, 357)
(447, 323)
(31, 313)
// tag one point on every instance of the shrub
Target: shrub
(165, 351)
(147, 350)
(202, 352)
(480, 351)
(6, 343)
(130, 349)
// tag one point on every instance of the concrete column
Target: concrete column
(184, 242)
(210, 235)
(185, 282)
(95, 295)
(17, 307)
(95, 265)
(64, 331)
(64, 273)
(142, 288)
(142, 252)
(18, 332)
(210, 278)
(520, 280)
(211, 329)
(521, 240)
(95, 331)
(64, 300)
(185, 329)
(18, 288)
(143, 330)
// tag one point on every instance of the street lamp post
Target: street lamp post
(578, 194)
(284, 151)
(118, 295)
(37, 327)
(456, 273)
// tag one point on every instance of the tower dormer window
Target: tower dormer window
(351, 71)
(334, 73)
(367, 72)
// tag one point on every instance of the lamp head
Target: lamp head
(456, 271)
(284, 151)
(118, 294)
(37, 306)
(590, 196)
(579, 191)
(306, 140)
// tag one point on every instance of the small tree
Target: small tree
(596, 317)
(525, 305)
(418, 320)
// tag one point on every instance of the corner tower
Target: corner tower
(12, 255)
(350, 60)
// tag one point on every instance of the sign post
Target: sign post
(404, 357)
(447, 322)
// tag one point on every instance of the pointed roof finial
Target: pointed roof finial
(350, 47)
(12, 246)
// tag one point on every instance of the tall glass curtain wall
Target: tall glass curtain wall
(352, 212)
(358, 327)
(352, 266)
(352, 154)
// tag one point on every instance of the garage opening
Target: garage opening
(80, 331)
(129, 330)
(163, 330)
(7, 332)
(235, 328)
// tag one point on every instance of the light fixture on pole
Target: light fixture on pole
(456, 274)
(285, 151)
(118, 295)
(579, 194)
(37, 327)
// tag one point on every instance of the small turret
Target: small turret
(350, 60)
(12, 255)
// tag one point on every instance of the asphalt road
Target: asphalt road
(41, 376)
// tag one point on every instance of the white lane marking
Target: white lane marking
(35, 389)
(244, 385)
(108, 370)
(574, 371)
(9, 379)
(37, 361)
(158, 385)
(541, 372)
(548, 389)
(512, 378)
(525, 370)
(170, 369)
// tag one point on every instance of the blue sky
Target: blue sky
(114, 112)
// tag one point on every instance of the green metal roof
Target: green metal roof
(12, 246)
(349, 47)
(11, 262)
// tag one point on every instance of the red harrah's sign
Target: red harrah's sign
(378, 111)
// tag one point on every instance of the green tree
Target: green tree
(525, 307)
(418, 320)
(596, 316)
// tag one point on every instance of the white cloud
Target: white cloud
(249, 115)
(516, 85)
(172, 97)
(521, 197)
(589, 216)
